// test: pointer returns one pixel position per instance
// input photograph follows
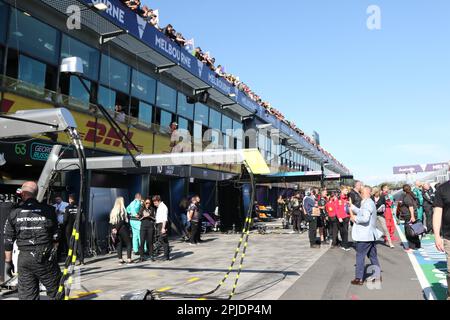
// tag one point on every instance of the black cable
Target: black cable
(244, 236)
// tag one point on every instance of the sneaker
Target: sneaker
(121, 262)
(346, 249)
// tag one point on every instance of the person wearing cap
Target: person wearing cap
(34, 227)
(176, 139)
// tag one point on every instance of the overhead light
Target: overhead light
(28, 165)
(27, 14)
(232, 95)
(99, 6)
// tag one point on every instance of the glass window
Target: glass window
(145, 113)
(32, 71)
(107, 97)
(227, 123)
(198, 132)
(166, 120)
(90, 56)
(3, 19)
(77, 89)
(201, 114)
(143, 86)
(183, 123)
(166, 97)
(34, 37)
(185, 109)
(115, 74)
(215, 119)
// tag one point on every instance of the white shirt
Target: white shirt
(60, 209)
(162, 213)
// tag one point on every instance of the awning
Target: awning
(299, 176)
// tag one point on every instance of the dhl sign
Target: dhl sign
(101, 133)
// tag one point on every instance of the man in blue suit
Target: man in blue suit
(365, 234)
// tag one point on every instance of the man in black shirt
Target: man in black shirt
(355, 194)
(193, 213)
(428, 200)
(70, 215)
(35, 228)
(441, 218)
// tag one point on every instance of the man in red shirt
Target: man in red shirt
(343, 217)
(331, 211)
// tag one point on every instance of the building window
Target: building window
(3, 19)
(33, 37)
(106, 97)
(166, 97)
(78, 91)
(145, 113)
(115, 74)
(143, 87)
(90, 56)
(227, 124)
(215, 120)
(201, 114)
(185, 109)
(198, 132)
(166, 120)
(31, 71)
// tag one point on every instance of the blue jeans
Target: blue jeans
(368, 249)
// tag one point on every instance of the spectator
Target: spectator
(134, 5)
(119, 114)
(60, 209)
(342, 214)
(428, 201)
(280, 206)
(296, 213)
(419, 198)
(323, 220)
(309, 202)
(355, 194)
(162, 225)
(388, 214)
(184, 205)
(147, 216)
(365, 233)
(133, 210)
(441, 219)
(408, 209)
(193, 215)
(120, 229)
(333, 221)
(380, 204)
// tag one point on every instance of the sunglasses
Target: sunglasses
(148, 203)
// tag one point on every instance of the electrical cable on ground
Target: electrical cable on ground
(243, 241)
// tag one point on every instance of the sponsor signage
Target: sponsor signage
(420, 168)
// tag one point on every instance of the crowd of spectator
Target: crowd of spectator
(152, 16)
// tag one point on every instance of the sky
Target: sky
(378, 98)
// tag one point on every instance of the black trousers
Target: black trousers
(313, 222)
(163, 240)
(31, 272)
(296, 220)
(147, 232)
(343, 231)
(195, 232)
(124, 238)
(334, 228)
(81, 242)
(428, 212)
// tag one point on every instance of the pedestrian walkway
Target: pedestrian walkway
(329, 278)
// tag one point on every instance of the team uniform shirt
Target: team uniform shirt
(442, 200)
(133, 209)
(162, 213)
(331, 208)
(342, 207)
(33, 225)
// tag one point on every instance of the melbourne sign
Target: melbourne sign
(420, 168)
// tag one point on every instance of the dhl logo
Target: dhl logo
(99, 133)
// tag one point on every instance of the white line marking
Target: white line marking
(425, 284)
